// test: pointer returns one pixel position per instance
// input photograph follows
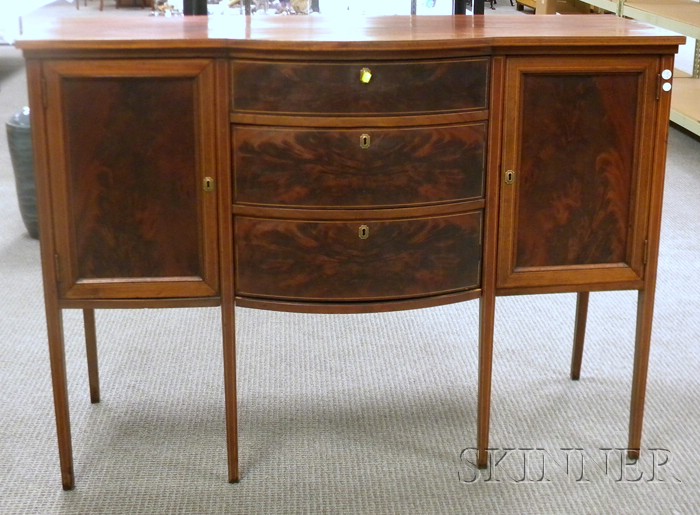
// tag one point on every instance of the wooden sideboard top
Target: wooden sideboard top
(347, 33)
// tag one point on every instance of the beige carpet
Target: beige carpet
(355, 414)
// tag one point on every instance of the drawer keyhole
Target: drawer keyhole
(364, 232)
(365, 141)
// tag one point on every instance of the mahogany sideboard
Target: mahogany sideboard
(346, 165)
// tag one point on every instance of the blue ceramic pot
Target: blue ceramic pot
(19, 139)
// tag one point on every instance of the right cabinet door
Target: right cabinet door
(577, 160)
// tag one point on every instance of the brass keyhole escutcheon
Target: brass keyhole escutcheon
(363, 232)
(510, 177)
(208, 184)
(365, 141)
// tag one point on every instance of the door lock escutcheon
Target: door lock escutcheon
(510, 177)
(208, 184)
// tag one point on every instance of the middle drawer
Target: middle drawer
(358, 167)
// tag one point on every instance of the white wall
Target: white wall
(385, 7)
(10, 13)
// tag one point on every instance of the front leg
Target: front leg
(91, 351)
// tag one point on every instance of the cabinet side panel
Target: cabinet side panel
(576, 171)
(132, 180)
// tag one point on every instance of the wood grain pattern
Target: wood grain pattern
(414, 256)
(340, 36)
(332, 88)
(316, 260)
(132, 177)
(325, 168)
(576, 174)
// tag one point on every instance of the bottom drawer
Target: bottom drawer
(356, 261)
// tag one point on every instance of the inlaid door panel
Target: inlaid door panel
(575, 171)
(134, 142)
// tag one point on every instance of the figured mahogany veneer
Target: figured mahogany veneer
(349, 165)
(328, 168)
(327, 261)
(335, 88)
(133, 216)
(580, 216)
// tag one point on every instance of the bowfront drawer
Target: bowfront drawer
(346, 168)
(360, 88)
(353, 261)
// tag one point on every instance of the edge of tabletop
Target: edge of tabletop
(354, 33)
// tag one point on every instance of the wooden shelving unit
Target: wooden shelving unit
(685, 103)
(682, 16)
(608, 5)
(532, 4)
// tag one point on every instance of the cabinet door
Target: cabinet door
(577, 160)
(131, 145)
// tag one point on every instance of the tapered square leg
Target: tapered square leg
(487, 306)
(91, 351)
(57, 359)
(230, 390)
(645, 313)
(579, 334)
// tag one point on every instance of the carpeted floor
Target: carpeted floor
(360, 413)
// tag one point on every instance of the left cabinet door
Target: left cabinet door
(132, 161)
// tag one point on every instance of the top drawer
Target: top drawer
(338, 88)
